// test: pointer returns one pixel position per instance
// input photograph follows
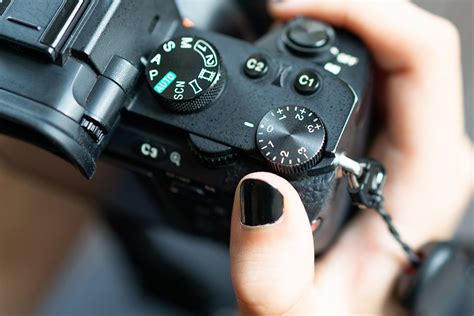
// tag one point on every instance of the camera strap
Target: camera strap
(366, 180)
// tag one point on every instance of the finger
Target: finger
(424, 71)
(382, 25)
(375, 257)
(272, 255)
(366, 261)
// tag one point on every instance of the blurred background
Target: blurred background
(75, 264)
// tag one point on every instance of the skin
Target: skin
(39, 221)
(273, 270)
(420, 103)
(42, 214)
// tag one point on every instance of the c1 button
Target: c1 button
(307, 82)
(256, 66)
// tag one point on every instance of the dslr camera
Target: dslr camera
(192, 109)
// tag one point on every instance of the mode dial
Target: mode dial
(186, 74)
(291, 138)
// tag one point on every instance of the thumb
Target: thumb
(272, 255)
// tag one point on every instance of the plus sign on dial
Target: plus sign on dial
(291, 138)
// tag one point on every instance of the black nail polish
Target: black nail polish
(277, 1)
(260, 203)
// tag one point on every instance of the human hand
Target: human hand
(423, 146)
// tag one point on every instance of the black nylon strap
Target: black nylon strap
(413, 257)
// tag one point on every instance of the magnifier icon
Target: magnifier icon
(175, 158)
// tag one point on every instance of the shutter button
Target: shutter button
(308, 37)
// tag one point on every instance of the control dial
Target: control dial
(186, 74)
(211, 153)
(291, 138)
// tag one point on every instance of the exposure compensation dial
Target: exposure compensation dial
(186, 74)
(291, 138)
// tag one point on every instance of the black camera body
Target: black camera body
(194, 110)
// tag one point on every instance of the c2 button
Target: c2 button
(307, 82)
(256, 66)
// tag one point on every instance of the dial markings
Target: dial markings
(200, 75)
(291, 140)
(248, 124)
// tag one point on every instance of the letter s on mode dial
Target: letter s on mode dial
(291, 138)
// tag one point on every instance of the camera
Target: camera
(192, 109)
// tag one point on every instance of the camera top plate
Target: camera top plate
(41, 26)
